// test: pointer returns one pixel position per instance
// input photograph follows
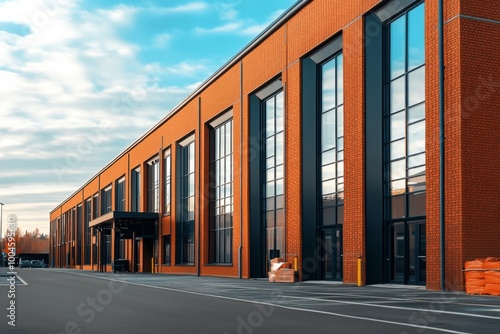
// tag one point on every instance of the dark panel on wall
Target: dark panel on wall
(309, 183)
(375, 263)
(257, 267)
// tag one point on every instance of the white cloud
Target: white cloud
(192, 7)
(227, 9)
(160, 41)
(64, 84)
(226, 28)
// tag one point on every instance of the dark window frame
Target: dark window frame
(153, 185)
(167, 182)
(120, 204)
(185, 245)
(221, 201)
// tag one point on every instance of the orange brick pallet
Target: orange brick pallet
(482, 276)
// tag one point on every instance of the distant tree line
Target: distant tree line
(29, 242)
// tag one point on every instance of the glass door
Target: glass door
(332, 253)
(407, 253)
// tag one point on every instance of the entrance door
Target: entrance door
(332, 253)
(407, 253)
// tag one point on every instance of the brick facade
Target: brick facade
(472, 142)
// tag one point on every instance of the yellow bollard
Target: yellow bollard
(295, 264)
(359, 270)
(152, 265)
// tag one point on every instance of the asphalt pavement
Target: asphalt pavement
(58, 301)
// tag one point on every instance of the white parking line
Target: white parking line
(400, 308)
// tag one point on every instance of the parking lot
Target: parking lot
(238, 305)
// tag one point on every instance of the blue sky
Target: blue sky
(72, 71)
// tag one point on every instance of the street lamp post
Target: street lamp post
(1, 235)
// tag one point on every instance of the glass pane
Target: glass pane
(340, 169)
(398, 125)
(228, 138)
(280, 218)
(328, 86)
(416, 201)
(398, 169)
(398, 46)
(270, 204)
(340, 198)
(269, 147)
(416, 171)
(340, 155)
(270, 174)
(270, 189)
(416, 86)
(217, 143)
(398, 187)
(328, 187)
(270, 117)
(416, 160)
(416, 138)
(279, 172)
(398, 206)
(340, 80)
(398, 95)
(329, 216)
(270, 162)
(340, 121)
(279, 149)
(279, 202)
(328, 157)
(416, 113)
(416, 37)
(340, 143)
(279, 112)
(270, 219)
(191, 185)
(328, 130)
(279, 187)
(328, 172)
(417, 183)
(340, 214)
(329, 200)
(191, 157)
(398, 149)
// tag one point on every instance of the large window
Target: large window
(405, 117)
(153, 172)
(95, 214)
(136, 190)
(331, 119)
(273, 174)
(120, 195)
(221, 200)
(404, 147)
(185, 245)
(79, 213)
(106, 196)
(167, 174)
(95, 206)
(88, 240)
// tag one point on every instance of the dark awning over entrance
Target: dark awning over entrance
(124, 218)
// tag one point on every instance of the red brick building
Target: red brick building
(318, 141)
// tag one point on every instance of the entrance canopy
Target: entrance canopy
(127, 222)
(124, 218)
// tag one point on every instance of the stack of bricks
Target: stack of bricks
(482, 276)
(492, 276)
(474, 277)
(281, 271)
